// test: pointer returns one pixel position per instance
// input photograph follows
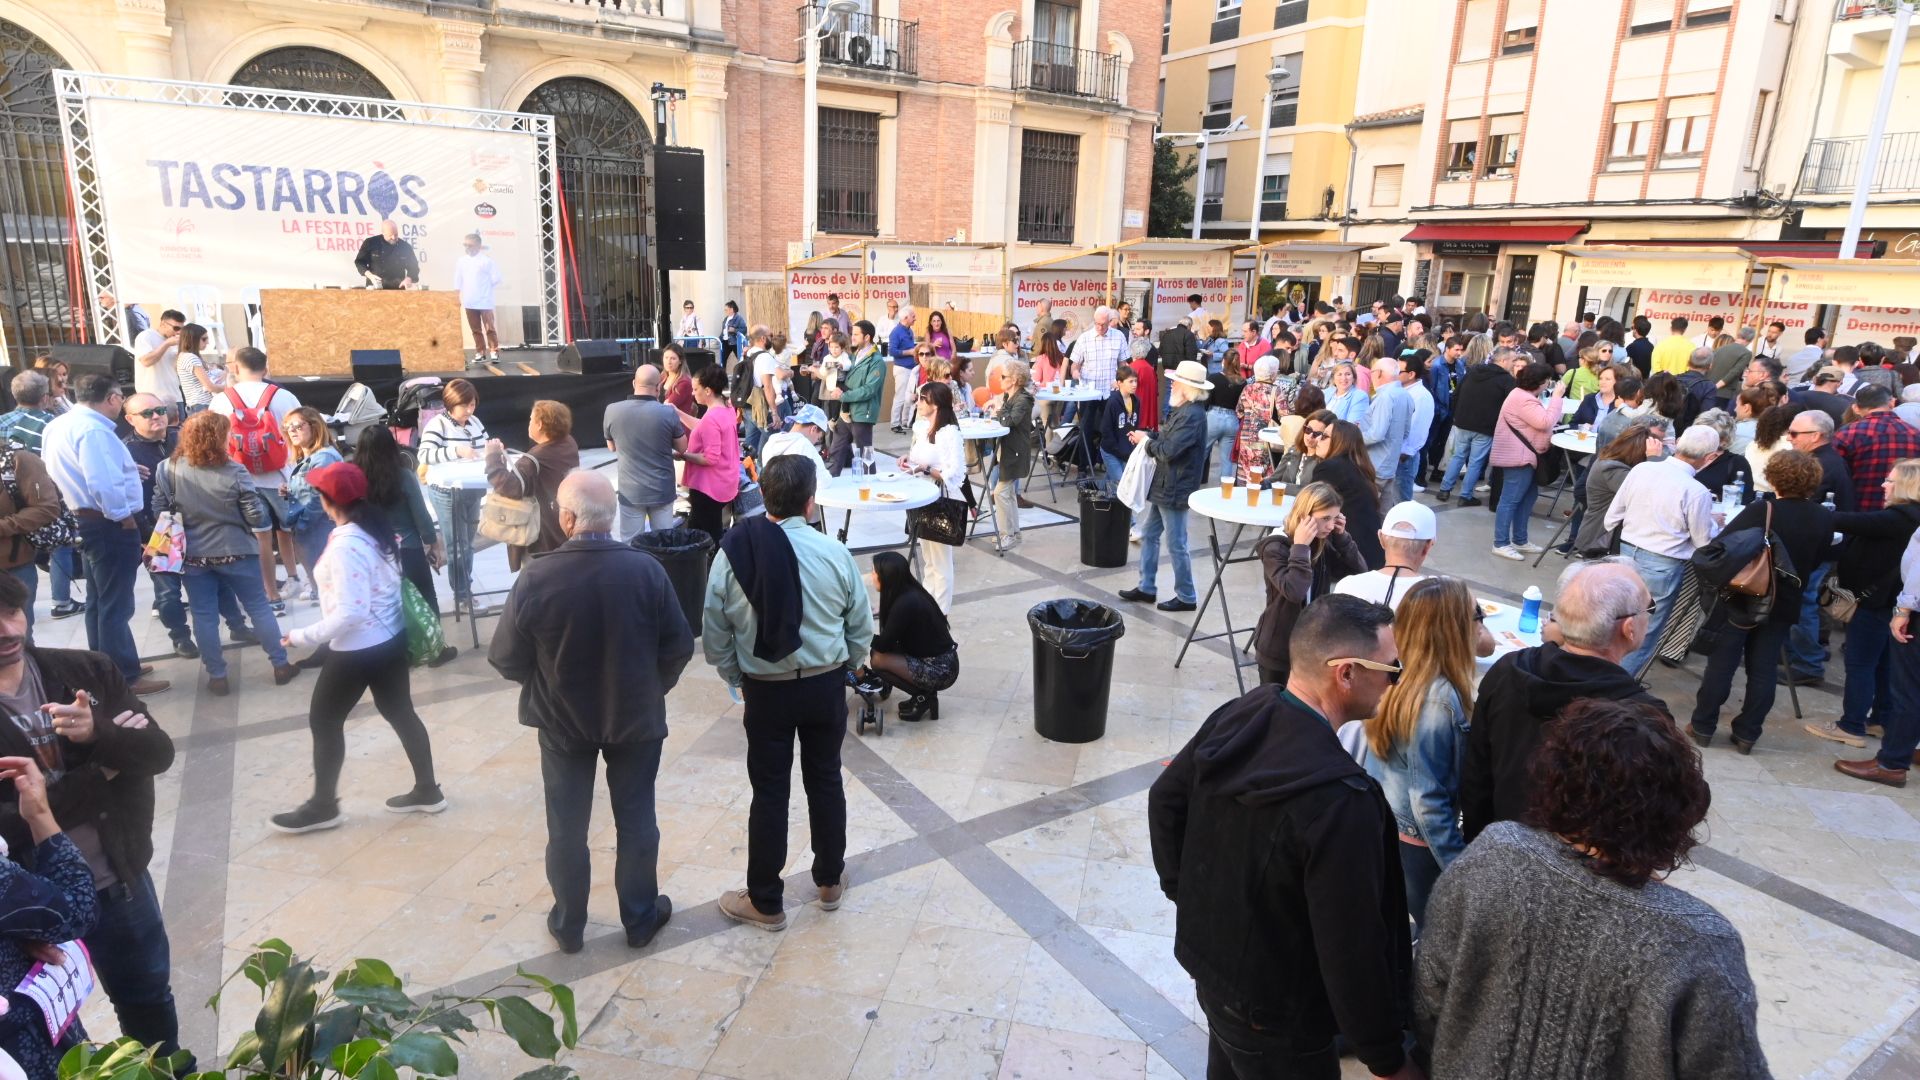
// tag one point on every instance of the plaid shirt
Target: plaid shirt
(1099, 356)
(22, 427)
(1870, 446)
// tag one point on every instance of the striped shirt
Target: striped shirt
(442, 438)
(22, 427)
(1098, 356)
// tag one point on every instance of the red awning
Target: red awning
(1499, 234)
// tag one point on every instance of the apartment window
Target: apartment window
(1213, 191)
(1219, 99)
(1289, 13)
(1685, 141)
(849, 176)
(1049, 178)
(1651, 17)
(1708, 13)
(1503, 153)
(1166, 26)
(1759, 125)
(1460, 157)
(1160, 102)
(1275, 182)
(1631, 135)
(1386, 185)
(1226, 21)
(1286, 103)
(1519, 41)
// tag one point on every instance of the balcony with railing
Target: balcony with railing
(1060, 69)
(1862, 9)
(1861, 29)
(1833, 165)
(868, 43)
(671, 16)
(1289, 13)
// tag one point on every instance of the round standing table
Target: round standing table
(979, 428)
(1503, 622)
(1208, 503)
(1571, 444)
(464, 483)
(897, 491)
(1080, 392)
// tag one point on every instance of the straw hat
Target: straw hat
(1191, 373)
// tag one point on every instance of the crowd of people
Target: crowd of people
(1381, 788)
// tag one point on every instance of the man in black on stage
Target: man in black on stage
(387, 260)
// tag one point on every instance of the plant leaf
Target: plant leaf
(285, 1014)
(378, 1069)
(367, 973)
(390, 1000)
(334, 1028)
(269, 959)
(246, 1049)
(549, 1072)
(425, 1053)
(562, 995)
(351, 1058)
(527, 1025)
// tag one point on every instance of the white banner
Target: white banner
(1073, 294)
(1224, 298)
(1878, 324)
(807, 291)
(936, 261)
(242, 199)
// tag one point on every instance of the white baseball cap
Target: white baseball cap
(1410, 521)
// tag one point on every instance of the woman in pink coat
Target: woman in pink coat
(1522, 434)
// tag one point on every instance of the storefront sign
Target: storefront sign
(1629, 272)
(1879, 287)
(1137, 265)
(1662, 306)
(807, 291)
(934, 261)
(1072, 295)
(1224, 298)
(1466, 247)
(1281, 263)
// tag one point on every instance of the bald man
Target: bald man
(645, 433)
(596, 637)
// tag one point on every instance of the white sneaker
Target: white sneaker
(294, 590)
(1419, 489)
(1528, 549)
(1510, 552)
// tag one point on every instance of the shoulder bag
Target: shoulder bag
(1756, 578)
(509, 520)
(65, 529)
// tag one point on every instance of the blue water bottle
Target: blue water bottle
(1530, 610)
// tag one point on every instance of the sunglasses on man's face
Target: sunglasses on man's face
(1391, 671)
(152, 414)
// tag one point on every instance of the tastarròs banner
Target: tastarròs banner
(242, 199)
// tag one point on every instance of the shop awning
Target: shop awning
(1763, 249)
(1557, 233)
(1879, 283)
(1708, 269)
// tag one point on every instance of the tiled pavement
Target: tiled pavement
(1004, 919)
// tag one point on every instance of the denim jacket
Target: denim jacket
(303, 502)
(1422, 778)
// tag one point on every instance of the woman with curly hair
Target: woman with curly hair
(221, 512)
(1551, 949)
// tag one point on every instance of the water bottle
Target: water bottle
(1530, 610)
(1739, 494)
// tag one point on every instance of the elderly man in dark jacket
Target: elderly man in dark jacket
(1282, 859)
(595, 636)
(1180, 465)
(71, 710)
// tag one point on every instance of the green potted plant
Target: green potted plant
(358, 1024)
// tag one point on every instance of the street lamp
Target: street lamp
(1870, 150)
(1201, 140)
(1275, 78)
(842, 10)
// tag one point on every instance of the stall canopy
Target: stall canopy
(1073, 285)
(1688, 282)
(1876, 299)
(869, 273)
(1306, 258)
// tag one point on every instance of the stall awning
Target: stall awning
(1875, 283)
(1763, 249)
(1558, 233)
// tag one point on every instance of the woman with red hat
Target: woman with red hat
(358, 577)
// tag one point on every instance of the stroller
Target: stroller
(358, 411)
(419, 402)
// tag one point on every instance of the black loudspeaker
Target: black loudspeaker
(601, 357)
(84, 360)
(375, 365)
(680, 208)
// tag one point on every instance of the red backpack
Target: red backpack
(256, 441)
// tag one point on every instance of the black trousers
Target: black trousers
(703, 513)
(1436, 452)
(415, 568)
(344, 678)
(776, 712)
(566, 769)
(1759, 649)
(1239, 1048)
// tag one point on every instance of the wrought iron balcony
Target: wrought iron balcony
(1212, 208)
(1833, 165)
(1862, 9)
(1061, 69)
(1273, 211)
(867, 42)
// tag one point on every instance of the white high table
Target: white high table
(1079, 392)
(889, 491)
(1208, 504)
(976, 429)
(1570, 443)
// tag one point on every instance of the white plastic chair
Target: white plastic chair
(256, 327)
(202, 305)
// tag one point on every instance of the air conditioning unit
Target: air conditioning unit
(1215, 121)
(863, 50)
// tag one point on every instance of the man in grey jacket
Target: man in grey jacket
(595, 636)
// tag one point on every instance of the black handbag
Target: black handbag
(943, 521)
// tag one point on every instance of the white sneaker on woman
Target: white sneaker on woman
(1510, 552)
(1528, 549)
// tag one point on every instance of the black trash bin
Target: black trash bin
(1104, 523)
(1072, 667)
(684, 554)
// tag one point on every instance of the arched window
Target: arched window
(36, 292)
(317, 71)
(603, 147)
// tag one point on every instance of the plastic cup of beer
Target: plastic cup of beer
(866, 491)
(1279, 493)
(1253, 494)
(1226, 488)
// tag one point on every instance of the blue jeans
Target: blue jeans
(1470, 450)
(132, 958)
(567, 766)
(1115, 466)
(1409, 468)
(167, 592)
(455, 511)
(1420, 869)
(112, 555)
(1869, 658)
(29, 576)
(1903, 723)
(1223, 432)
(206, 586)
(1806, 658)
(1173, 521)
(1662, 575)
(1518, 490)
(311, 539)
(64, 567)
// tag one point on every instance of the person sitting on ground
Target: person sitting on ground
(1599, 616)
(1407, 534)
(1301, 563)
(1563, 917)
(913, 648)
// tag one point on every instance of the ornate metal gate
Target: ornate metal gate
(36, 244)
